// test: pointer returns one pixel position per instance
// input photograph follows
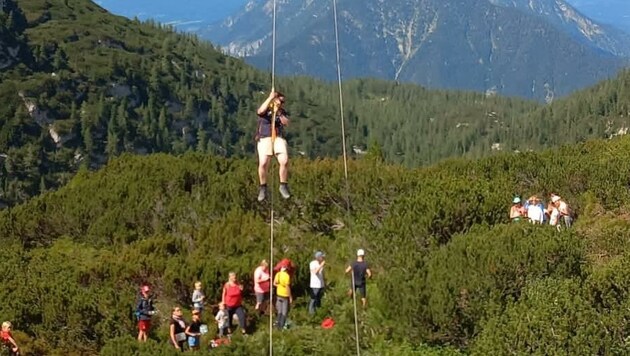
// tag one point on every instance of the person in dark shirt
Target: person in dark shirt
(271, 142)
(194, 331)
(177, 329)
(144, 312)
(360, 271)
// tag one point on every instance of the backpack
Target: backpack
(141, 305)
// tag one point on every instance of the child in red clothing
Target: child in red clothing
(7, 339)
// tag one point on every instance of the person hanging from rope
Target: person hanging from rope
(360, 270)
(272, 119)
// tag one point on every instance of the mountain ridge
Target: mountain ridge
(478, 46)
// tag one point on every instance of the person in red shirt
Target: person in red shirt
(232, 297)
(7, 339)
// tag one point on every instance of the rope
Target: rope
(273, 47)
(345, 169)
(273, 120)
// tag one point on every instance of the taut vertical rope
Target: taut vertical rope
(345, 168)
(273, 133)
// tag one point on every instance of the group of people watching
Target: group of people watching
(557, 213)
(182, 333)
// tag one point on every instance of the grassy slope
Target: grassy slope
(171, 221)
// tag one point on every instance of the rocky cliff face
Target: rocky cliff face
(531, 48)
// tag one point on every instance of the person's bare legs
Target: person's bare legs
(263, 164)
(283, 171)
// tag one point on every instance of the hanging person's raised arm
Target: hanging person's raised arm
(262, 109)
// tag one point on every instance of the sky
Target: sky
(614, 12)
(190, 15)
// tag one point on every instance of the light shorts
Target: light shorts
(264, 146)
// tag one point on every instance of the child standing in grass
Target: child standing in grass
(222, 320)
(198, 297)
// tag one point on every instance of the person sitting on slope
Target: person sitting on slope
(272, 143)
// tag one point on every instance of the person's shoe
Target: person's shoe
(284, 191)
(262, 193)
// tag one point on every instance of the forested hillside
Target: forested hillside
(448, 268)
(88, 86)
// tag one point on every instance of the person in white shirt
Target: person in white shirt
(317, 281)
(535, 212)
(554, 216)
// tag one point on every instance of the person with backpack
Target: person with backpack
(144, 312)
(272, 119)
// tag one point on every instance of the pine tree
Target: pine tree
(112, 137)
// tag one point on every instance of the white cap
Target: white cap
(555, 198)
(360, 252)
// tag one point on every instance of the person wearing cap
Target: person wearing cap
(360, 270)
(144, 311)
(282, 282)
(516, 211)
(7, 339)
(563, 210)
(317, 281)
(270, 143)
(262, 285)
